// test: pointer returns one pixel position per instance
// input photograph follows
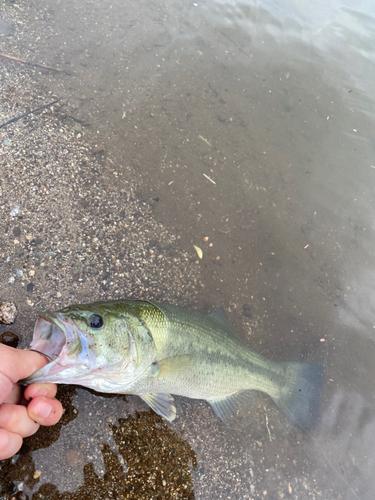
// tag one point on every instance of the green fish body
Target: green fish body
(156, 350)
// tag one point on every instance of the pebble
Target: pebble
(7, 143)
(8, 313)
(10, 339)
(18, 273)
(16, 231)
(11, 280)
(15, 211)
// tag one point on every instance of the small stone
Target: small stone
(39, 255)
(98, 149)
(11, 280)
(37, 474)
(8, 312)
(10, 339)
(15, 211)
(205, 239)
(31, 273)
(51, 254)
(58, 295)
(7, 143)
(337, 292)
(16, 231)
(30, 287)
(18, 273)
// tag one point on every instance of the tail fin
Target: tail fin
(299, 398)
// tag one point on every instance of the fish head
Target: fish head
(102, 345)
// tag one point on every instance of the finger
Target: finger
(10, 443)
(17, 364)
(6, 387)
(14, 418)
(45, 411)
(34, 390)
(15, 396)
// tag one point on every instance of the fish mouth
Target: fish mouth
(49, 337)
(53, 337)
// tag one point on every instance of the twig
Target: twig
(209, 178)
(28, 113)
(30, 63)
(268, 429)
(205, 140)
(235, 43)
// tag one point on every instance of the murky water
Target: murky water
(252, 124)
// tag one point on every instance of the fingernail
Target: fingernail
(39, 392)
(42, 409)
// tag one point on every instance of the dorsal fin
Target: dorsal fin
(220, 315)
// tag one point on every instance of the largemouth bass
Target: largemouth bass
(156, 350)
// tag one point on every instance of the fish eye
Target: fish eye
(95, 321)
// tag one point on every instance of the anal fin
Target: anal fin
(162, 404)
(226, 408)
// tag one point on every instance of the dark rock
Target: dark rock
(16, 231)
(30, 287)
(10, 339)
(246, 311)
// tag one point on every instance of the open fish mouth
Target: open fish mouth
(53, 337)
(49, 338)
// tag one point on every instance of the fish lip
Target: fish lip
(53, 334)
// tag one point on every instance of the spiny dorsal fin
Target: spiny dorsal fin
(220, 315)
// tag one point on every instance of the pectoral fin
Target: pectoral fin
(162, 404)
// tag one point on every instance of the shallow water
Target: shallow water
(250, 124)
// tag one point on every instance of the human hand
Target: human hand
(22, 411)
